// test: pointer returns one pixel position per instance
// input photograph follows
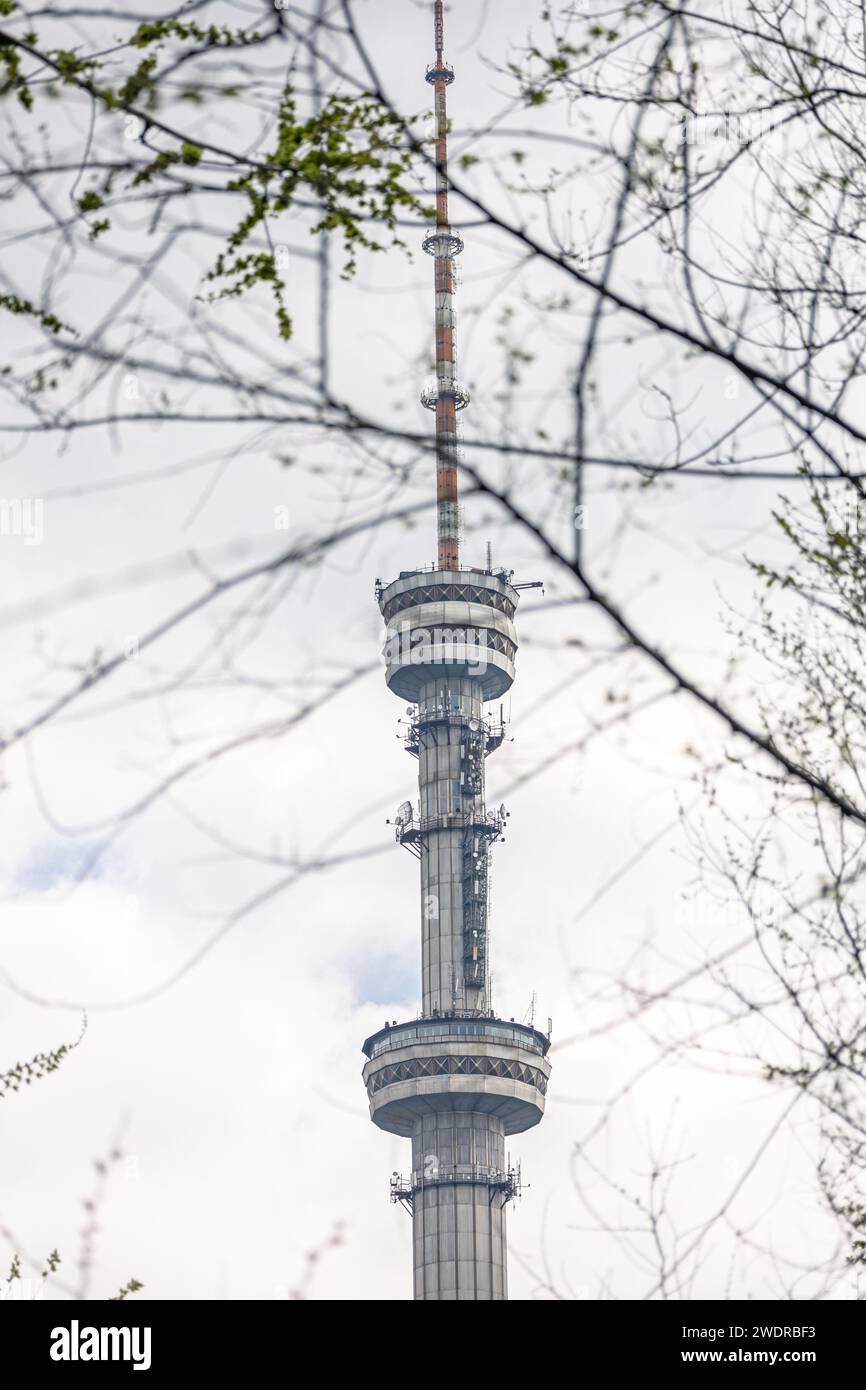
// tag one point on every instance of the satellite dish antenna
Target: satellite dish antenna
(474, 725)
(404, 815)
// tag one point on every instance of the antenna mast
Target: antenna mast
(443, 244)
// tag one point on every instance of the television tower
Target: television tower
(457, 1080)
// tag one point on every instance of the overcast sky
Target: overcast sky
(225, 1059)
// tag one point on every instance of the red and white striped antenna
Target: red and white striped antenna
(443, 244)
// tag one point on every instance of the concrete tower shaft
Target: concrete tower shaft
(456, 830)
(459, 1240)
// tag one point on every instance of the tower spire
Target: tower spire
(443, 244)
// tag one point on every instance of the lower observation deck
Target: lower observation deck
(434, 1065)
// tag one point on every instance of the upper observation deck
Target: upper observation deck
(455, 624)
